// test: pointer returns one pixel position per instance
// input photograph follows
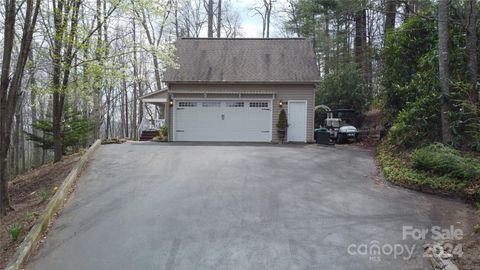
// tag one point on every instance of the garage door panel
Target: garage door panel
(222, 121)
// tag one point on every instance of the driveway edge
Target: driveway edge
(33, 237)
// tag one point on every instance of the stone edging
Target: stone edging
(440, 259)
(33, 237)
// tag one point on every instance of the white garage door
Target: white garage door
(212, 120)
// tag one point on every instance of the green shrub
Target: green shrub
(164, 131)
(417, 123)
(444, 160)
(29, 216)
(398, 170)
(14, 231)
(162, 135)
(282, 125)
(464, 119)
(476, 228)
(76, 131)
(282, 120)
(345, 88)
(44, 196)
(477, 205)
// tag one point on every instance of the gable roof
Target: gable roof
(247, 60)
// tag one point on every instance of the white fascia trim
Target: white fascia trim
(148, 100)
(206, 99)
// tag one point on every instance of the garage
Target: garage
(234, 90)
(223, 120)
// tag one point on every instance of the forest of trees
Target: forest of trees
(73, 70)
(415, 60)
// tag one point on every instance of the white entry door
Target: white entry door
(216, 120)
(297, 121)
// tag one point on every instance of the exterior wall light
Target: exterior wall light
(280, 104)
(171, 102)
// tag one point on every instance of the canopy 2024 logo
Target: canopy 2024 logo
(375, 250)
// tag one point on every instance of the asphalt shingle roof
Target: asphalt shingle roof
(244, 60)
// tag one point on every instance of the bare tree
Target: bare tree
(62, 57)
(265, 13)
(10, 84)
(192, 18)
(230, 21)
(153, 31)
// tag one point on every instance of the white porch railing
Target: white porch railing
(150, 124)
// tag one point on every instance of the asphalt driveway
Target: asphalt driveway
(179, 206)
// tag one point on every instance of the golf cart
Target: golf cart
(339, 124)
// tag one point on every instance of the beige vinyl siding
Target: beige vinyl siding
(283, 92)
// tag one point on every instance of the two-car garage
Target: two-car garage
(223, 120)
(234, 90)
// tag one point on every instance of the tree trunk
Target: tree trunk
(135, 84)
(22, 142)
(16, 142)
(471, 16)
(409, 8)
(108, 100)
(210, 18)
(390, 14)
(360, 43)
(97, 84)
(268, 12)
(125, 94)
(141, 92)
(62, 59)
(219, 19)
(33, 108)
(58, 95)
(177, 33)
(327, 44)
(10, 82)
(443, 6)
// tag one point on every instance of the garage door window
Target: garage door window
(258, 104)
(209, 104)
(235, 104)
(187, 104)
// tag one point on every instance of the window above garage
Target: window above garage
(258, 104)
(235, 104)
(187, 104)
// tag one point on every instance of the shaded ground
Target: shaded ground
(398, 170)
(25, 193)
(471, 256)
(237, 206)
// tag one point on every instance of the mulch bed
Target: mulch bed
(26, 192)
